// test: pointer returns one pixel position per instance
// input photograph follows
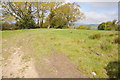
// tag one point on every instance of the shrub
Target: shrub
(117, 40)
(105, 45)
(45, 25)
(10, 28)
(111, 34)
(26, 24)
(101, 26)
(113, 69)
(82, 27)
(95, 36)
(59, 22)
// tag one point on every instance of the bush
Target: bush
(45, 25)
(95, 36)
(82, 27)
(65, 27)
(10, 28)
(59, 22)
(104, 45)
(113, 69)
(26, 24)
(111, 34)
(101, 26)
(117, 40)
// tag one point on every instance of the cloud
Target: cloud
(98, 12)
(103, 5)
(97, 18)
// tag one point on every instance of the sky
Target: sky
(98, 12)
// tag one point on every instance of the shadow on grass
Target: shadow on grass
(113, 69)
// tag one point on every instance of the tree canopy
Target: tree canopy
(36, 14)
(109, 25)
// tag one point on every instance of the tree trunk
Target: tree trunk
(39, 22)
(42, 17)
(48, 26)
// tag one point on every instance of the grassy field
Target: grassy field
(90, 50)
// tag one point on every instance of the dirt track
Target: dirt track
(16, 67)
(53, 66)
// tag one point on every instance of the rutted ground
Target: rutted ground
(53, 66)
(58, 66)
(16, 67)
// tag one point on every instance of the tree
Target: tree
(41, 10)
(50, 14)
(22, 12)
(69, 13)
(118, 25)
(115, 25)
(5, 24)
(52, 9)
(25, 23)
(109, 25)
(101, 26)
(59, 22)
(105, 26)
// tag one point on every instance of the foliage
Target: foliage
(95, 36)
(8, 26)
(25, 23)
(64, 15)
(50, 14)
(110, 25)
(45, 25)
(89, 27)
(117, 40)
(41, 10)
(58, 22)
(105, 45)
(5, 24)
(84, 27)
(21, 11)
(101, 26)
(113, 69)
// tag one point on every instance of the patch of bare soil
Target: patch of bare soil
(52, 66)
(58, 66)
(16, 67)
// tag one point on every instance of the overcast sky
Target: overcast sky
(97, 12)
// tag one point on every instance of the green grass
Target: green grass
(76, 44)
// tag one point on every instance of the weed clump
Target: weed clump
(105, 46)
(95, 36)
(112, 34)
(117, 40)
